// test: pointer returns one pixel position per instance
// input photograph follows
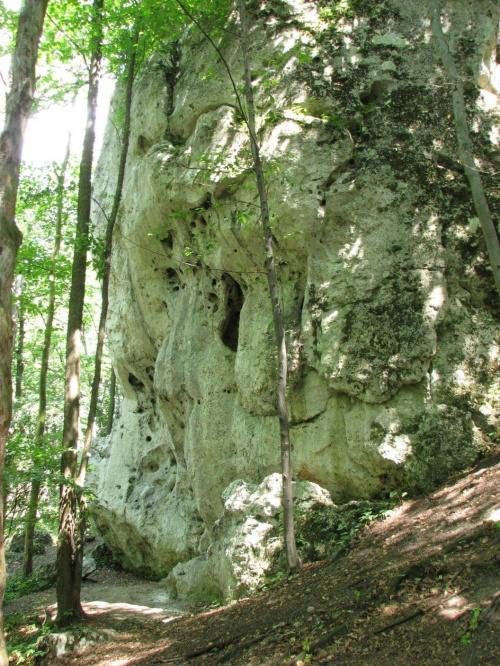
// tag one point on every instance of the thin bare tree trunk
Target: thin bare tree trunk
(70, 538)
(31, 514)
(18, 108)
(465, 150)
(80, 480)
(20, 353)
(292, 557)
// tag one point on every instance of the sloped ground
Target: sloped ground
(421, 587)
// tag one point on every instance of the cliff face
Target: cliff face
(389, 303)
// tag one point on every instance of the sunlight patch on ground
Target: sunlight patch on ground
(454, 608)
(493, 515)
(97, 607)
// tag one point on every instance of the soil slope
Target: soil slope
(421, 587)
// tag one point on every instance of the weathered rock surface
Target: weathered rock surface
(248, 540)
(389, 302)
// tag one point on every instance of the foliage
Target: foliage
(36, 214)
(23, 639)
(39, 580)
(473, 626)
(327, 529)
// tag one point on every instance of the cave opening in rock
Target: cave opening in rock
(234, 302)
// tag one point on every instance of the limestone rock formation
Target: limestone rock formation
(389, 303)
(247, 541)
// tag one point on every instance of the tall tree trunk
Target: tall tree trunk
(80, 481)
(465, 150)
(292, 556)
(112, 402)
(18, 321)
(18, 108)
(70, 539)
(30, 519)
(20, 354)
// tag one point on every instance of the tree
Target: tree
(19, 102)
(292, 556)
(70, 536)
(465, 149)
(122, 17)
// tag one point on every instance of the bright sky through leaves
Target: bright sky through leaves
(47, 133)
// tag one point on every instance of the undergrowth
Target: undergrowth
(23, 634)
(17, 586)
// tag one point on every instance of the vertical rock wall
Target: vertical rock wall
(389, 302)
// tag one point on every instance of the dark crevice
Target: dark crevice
(135, 382)
(234, 302)
(378, 91)
(143, 145)
(167, 242)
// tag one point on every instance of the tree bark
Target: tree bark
(31, 513)
(465, 149)
(70, 539)
(292, 557)
(18, 108)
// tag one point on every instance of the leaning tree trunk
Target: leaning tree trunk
(465, 150)
(110, 225)
(69, 571)
(18, 108)
(292, 556)
(31, 513)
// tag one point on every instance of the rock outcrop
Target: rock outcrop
(389, 302)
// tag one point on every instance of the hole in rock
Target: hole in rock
(167, 242)
(231, 325)
(143, 145)
(135, 382)
(377, 92)
(208, 202)
(148, 438)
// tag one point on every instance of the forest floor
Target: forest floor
(420, 587)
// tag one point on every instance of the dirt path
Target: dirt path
(421, 587)
(108, 591)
